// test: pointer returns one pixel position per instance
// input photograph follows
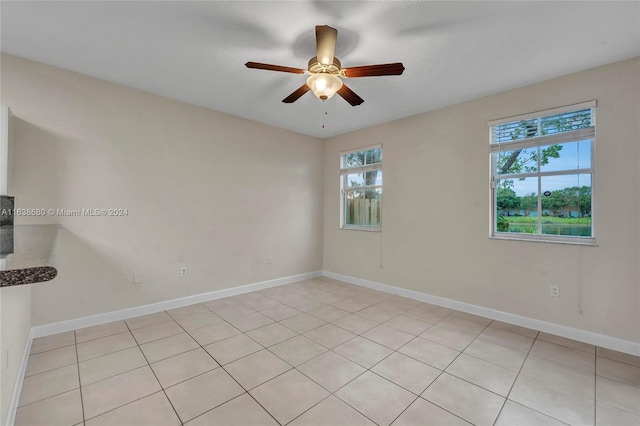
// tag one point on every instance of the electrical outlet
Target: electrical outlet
(554, 291)
(360, 259)
(269, 260)
(137, 278)
(183, 271)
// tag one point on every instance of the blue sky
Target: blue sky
(574, 155)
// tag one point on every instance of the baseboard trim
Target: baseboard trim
(585, 336)
(17, 386)
(589, 337)
(88, 321)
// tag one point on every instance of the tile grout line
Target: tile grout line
(222, 367)
(48, 371)
(207, 352)
(443, 371)
(516, 379)
(77, 363)
(366, 369)
(108, 353)
(267, 349)
(373, 372)
(595, 385)
(394, 351)
(55, 368)
(154, 375)
(53, 349)
(506, 398)
(514, 383)
(75, 341)
(319, 355)
(481, 387)
(114, 375)
(331, 350)
(124, 405)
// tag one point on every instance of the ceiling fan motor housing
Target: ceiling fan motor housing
(316, 67)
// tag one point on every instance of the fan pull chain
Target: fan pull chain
(323, 118)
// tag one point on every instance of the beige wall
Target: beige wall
(210, 191)
(220, 194)
(15, 325)
(436, 210)
(15, 302)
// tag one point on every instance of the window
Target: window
(542, 174)
(361, 189)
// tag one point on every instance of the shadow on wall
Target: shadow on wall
(37, 160)
(81, 262)
(89, 279)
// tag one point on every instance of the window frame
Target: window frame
(344, 172)
(540, 142)
(5, 122)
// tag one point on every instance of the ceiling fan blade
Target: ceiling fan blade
(270, 67)
(325, 43)
(350, 96)
(296, 95)
(374, 70)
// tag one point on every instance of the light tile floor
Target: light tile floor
(323, 352)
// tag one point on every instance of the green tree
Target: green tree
(585, 200)
(578, 197)
(516, 161)
(362, 158)
(529, 203)
(506, 199)
(554, 202)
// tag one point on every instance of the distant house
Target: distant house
(571, 211)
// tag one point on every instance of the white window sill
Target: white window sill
(540, 239)
(360, 228)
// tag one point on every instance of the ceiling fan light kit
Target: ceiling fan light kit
(324, 86)
(326, 72)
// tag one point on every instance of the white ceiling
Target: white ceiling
(195, 51)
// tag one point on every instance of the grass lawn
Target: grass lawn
(550, 219)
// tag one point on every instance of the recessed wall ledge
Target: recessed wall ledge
(34, 256)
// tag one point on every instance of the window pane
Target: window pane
(517, 161)
(517, 205)
(565, 122)
(373, 156)
(566, 156)
(515, 131)
(364, 179)
(363, 208)
(566, 205)
(362, 158)
(534, 127)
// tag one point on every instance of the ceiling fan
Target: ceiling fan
(326, 72)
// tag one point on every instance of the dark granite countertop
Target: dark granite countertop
(35, 254)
